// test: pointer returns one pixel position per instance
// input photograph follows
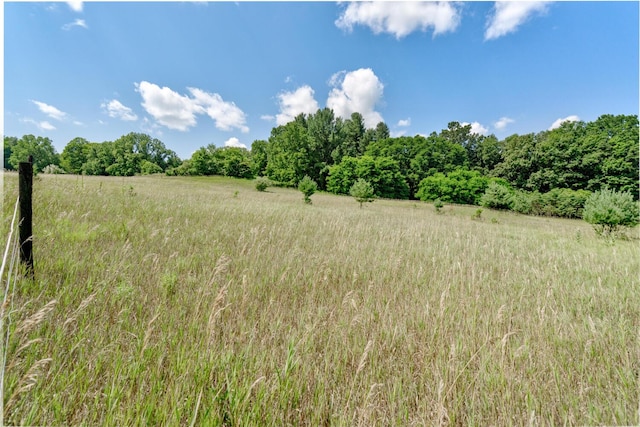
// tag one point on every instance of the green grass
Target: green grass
(175, 301)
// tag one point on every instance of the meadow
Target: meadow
(201, 301)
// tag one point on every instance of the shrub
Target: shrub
(308, 187)
(609, 211)
(362, 191)
(262, 183)
(53, 169)
(497, 196)
(460, 186)
(149, 168)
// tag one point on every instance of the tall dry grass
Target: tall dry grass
(200, 301)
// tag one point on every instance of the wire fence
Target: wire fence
(8, 276)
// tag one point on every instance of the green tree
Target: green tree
(74, 155)
(41, 148)
(519, 160)
(287, 152)
(611, 154)
(610, 211)
(259, 157)
(203, 162)
(362, 191)
(308, 188)
(9, 143)
(352, 141)
(99, 157)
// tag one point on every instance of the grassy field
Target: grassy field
(200, 301)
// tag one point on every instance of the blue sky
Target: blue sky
(197, 73)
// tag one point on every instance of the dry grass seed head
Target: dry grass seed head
(29, 380)
(33, 321)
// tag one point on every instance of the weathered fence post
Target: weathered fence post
(25, 191)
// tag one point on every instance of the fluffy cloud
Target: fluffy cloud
(293, 103)
(404, 123)
(509, 15)
(400, 18)
(50, 110)
(234, 142)
(115, 109)
(76, 23)
(356, 91)
(169, 108)
(502, 123)
(75, 5)
(226, 115)
(478, 128)
(178, 112)
(558, 122)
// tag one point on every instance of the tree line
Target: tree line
(540, 173)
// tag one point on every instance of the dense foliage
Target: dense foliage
(551, 172)
(609, 211)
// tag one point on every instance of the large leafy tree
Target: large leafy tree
(610, 159)
(9, 143)
(353, 142)
(74, 155)
(99, 158)
(324, 136)
(259, 157)
(41, 148)
(287, 152)
(234, 162)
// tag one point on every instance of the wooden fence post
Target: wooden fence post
(25, 191)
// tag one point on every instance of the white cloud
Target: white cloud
(178, 112)
(404, 123)
(169, 108)
(76, 23)
(234, 142)
(75, 5)
(268, 118)
(401, 18)
(557, 123)
(356, 91)
(293, 103)
(226, 114)
(509, 15)
(50, 110)
(477, 128)
(502, 123)
(44, 125)
(115, 109)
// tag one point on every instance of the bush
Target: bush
(308, 188)
(149, 168)
(497, 196)
(362, 191)
(262, 183)
(460, 186)
(609, 211)
(560, 202)
(53, 169)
